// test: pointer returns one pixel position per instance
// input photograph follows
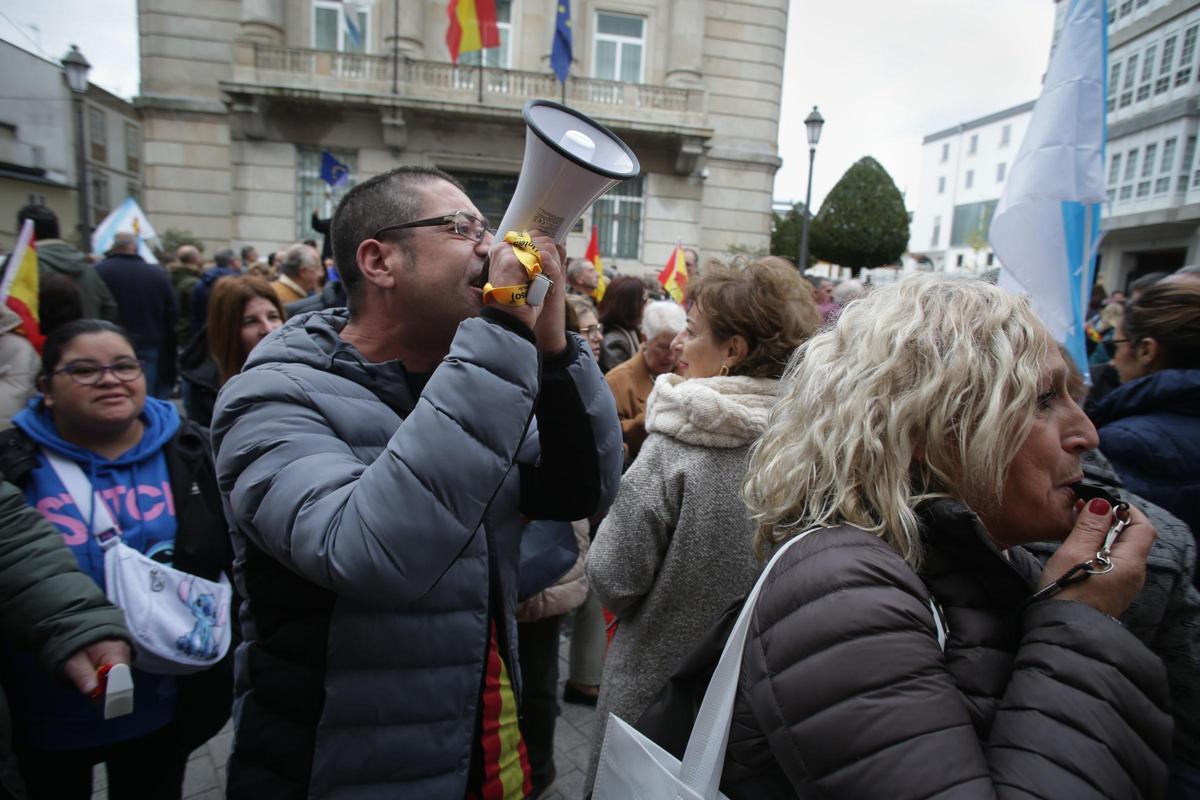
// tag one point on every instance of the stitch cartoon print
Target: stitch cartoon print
(202, 642)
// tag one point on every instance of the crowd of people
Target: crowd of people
(417, 490)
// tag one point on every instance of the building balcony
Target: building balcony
(262, 69)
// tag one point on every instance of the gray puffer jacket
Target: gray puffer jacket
(845, 692)
(376, 529)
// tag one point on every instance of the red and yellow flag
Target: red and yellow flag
(472, 27)
(674, 276)
(593, 255)
(19, 287)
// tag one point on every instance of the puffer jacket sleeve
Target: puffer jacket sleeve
(844, 674)
(382, 532)
(579, 468)
(633, 539)
(46, 603)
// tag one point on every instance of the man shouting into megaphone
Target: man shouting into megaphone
(378, 464)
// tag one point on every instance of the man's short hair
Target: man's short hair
(577, 267)
(187, 254)
(122, 242)
(45, 221)
(298, 255)
(1190, 269)
(247, 251)
(387, 199)
(224, 257)
(663, 316)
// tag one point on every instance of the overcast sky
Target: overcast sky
(884, 72)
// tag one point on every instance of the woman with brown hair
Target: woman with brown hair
(678, 520)
(241, 312)
(1150, 425)
(621, 314)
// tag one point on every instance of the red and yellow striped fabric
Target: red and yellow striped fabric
(506, 773)
(19, 287)
(674, 276)
(472, 27)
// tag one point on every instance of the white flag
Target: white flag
(128, 218)
(1047, 224)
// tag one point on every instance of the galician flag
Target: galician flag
(472, 27)
(1047, 224)
(129, 218)
(674, 276)
(593, 255)
(19, 285)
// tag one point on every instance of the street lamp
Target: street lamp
(813, 122)
(76, 67)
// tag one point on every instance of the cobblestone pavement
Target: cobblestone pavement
(205, 778)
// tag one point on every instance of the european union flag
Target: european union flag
(560, 55)
(333, 172)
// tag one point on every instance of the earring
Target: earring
(724, 371)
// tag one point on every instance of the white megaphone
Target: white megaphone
(570, 161)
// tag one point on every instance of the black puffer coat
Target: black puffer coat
(845, 692)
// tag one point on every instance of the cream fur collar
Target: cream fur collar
(710, 412)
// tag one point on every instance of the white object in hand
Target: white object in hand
(118, 692)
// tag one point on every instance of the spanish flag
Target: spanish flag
(593, 255)
(19, 286)
(472, 27)
(674, 277)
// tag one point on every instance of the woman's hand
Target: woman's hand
(81, 668)
(1113, 591)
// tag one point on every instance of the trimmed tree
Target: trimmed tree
(785, 232)
(863, 222)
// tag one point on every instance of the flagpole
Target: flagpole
(396, 47)
(481, 52)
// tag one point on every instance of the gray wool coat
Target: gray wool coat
(676, 547)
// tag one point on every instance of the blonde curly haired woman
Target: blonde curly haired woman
(675, 548)
(897, 651)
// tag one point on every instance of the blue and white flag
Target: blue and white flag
(353, 32)
(1047, 225)
(560, 53)
(128, 218)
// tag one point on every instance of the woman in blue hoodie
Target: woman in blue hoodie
(1150, 425)
(155, 474)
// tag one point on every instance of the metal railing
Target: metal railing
(440, 79)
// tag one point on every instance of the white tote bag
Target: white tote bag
(179, 622)
(632, 767)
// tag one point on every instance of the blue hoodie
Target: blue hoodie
(137, 490)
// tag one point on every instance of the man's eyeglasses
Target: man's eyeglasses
(592, 330)
(87, 373)
(466, 225)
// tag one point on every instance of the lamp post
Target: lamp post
(813, 122)
(76, 67)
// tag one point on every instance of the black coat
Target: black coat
(146, 306)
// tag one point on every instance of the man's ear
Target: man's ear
(1147, 352)
(378, 262)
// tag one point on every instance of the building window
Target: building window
(937, 231)
(1196, 179)
(1148, 160)
(1162, 185)
(958, 260)
(974, 144)
(310, 189)
(1114, 83)
(619, 47)
(1126, 7)
(1130, 76)
(1112, 195)
(496, 56)
(490, 191)
(1184, 73)
(1114, 169)
(134, 191)
(1189, 152)
(98, 134)
(1005, 135)
(344, 27)
(971, 221)
(133, 148)
(1112, 11)
(98, 197)
(1131, 164)
(1143, 189)
(1168, 157)
(991, 259)
(618, 215)
(1126, 192)
(1147, 73)
(945, 152)
(942, 185)
(1164, 69)
(1000, 168)
(970, 181)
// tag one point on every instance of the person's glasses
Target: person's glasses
(592, 331)
(1116, 342)
(87, 373)
(466, 225)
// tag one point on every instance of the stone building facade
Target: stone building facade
(240, 97)
(37, 145)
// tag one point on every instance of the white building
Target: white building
(240, 97)
(1153, 215)
(37, 144)
(963, 170)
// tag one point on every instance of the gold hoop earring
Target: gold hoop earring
(724, 372)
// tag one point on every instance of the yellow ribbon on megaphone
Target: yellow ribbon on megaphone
(530, 258)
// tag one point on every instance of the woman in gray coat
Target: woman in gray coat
(678, 522)
(899, 650)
